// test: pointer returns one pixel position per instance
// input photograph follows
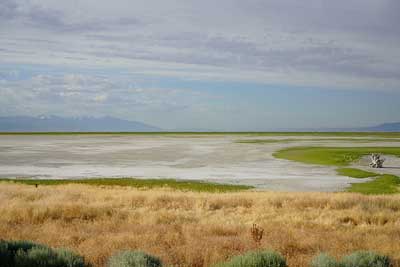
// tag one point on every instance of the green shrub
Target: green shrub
(36, 256)
(366, 259)
(5, 255)
(256, 259)
(8, 249)
(133, 259)
(72, 259)
(324, 260)
(28, 254)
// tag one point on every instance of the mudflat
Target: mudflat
(220, 158)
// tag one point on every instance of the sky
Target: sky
(230, 65)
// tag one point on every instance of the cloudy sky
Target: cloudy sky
(191, 64)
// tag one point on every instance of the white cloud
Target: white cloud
(346, 44)
(79, 94)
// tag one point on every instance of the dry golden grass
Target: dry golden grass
(198, 229)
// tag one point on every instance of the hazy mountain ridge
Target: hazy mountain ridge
(384, 127)
(79, 124)
(111, 124)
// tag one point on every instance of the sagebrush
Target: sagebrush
(256, 259)
(133, 259)
(29, 254)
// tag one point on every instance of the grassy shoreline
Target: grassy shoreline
(181, 185)
(342, 139)
(355, 173)
(342, 157)
(332, 156)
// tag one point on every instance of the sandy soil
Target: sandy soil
(214, 158)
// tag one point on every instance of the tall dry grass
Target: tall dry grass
(199, 229)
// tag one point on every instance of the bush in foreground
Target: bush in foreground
(366, 259)
(133, 259)
(8, 249)
(356, 259)
(324, 260)
(28, 254)
(256, 259)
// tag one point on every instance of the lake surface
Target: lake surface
(202, 157)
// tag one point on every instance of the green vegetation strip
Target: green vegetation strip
(336, 156)
(383, 184)
(343, 156)
(196, 186)
(287, 140)
(355, 173)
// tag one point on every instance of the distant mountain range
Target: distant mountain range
(385, 127)
(111, 124)
(80, 124)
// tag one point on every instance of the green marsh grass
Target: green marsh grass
(355, 173)
(196, 186)
(332, 156)
(344, 156)
(383, 184)
(288, 140)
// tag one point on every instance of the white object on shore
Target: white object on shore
(376, 161)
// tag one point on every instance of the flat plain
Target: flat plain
(77, 191)
(234, 158)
